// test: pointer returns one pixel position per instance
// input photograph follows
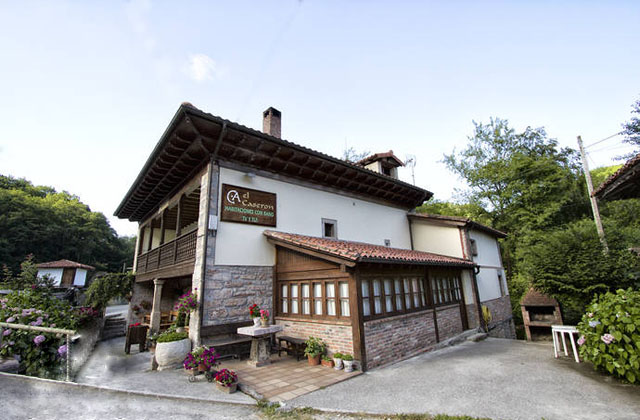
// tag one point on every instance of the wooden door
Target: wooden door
(68, 275)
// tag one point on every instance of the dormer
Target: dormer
(384, 163)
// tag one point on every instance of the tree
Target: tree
(54, 225)
(471, 211)
(351, 155)
(631, 129)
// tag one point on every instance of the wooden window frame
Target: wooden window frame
(324, 299)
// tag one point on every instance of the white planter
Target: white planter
(337, 363)
(348, 365)
(171, 355)
(256, 322)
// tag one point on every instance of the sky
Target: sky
(88, 87)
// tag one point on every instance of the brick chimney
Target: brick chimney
(271, 122)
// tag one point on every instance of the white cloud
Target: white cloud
(201, 68)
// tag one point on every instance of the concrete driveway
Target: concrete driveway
(496, 378)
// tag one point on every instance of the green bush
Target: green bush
(170, 336)
(611, 334)
(107, 287)
(40, 354)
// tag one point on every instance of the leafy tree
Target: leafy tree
(54, 225)
(631, 129)
(351, 155)
(599, 175)
(107, 287)
(471, 211)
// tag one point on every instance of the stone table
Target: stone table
(260, 354)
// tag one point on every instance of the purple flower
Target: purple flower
(607, 338)
(39, 339)
(37, 322)
(53, 325)
(6, 333)
(581, 340)
(62, 350)
(594, 324)
(11, 319)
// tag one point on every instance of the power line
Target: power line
(604, 139)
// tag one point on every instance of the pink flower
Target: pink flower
(607, 338)
(581, 340)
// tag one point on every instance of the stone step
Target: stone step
(477, 337)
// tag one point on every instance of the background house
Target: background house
(65, 273)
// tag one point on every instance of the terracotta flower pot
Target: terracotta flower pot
(202, 367)
(264, 322)
(327, 363)
(313, 361)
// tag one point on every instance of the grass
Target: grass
(271, 411)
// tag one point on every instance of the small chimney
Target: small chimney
(271, 122)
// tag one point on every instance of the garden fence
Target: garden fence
(68, 333)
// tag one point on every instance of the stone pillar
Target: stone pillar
(155, 309)
(205, 247)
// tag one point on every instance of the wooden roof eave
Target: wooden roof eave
(313, 253)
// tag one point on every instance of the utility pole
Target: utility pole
(594, 202)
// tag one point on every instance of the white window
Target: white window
(317, 298)
(366, 309)
(344, 298)
(331, 299)
(294, 298)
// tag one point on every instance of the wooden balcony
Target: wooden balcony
(174, 258)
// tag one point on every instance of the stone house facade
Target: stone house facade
(241, 216)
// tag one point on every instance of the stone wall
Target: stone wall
(449, 321)
(501, 325)
(141, 291)
(229, 290)
(398, 337)
(337, 337)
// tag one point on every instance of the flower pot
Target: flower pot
(256, 322)
(227, 389)
(264, 322)
(171, 355)
(314, 361)
(327, 363)
(202, 367)
(348, 365)
(338, 363)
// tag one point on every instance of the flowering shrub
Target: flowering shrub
(87, 313)
(201, 356)
(264, 314)
(187, 302)
(40, 354)
(254, 311)
(226, 377)
(611, 334)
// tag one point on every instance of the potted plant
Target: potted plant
(327, 361)
(200, 361)
(337, 360)
(171, 349)
(226, 381)
(254, 313)
(347, 359)
(314, 348)
(264, 317)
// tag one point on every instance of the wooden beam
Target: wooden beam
(313, 253)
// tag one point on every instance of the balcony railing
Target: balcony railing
(177, 251)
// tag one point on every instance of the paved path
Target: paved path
(32, 398)
(110, 367)
(500, 379)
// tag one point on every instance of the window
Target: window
(392, 295)
(387, 242)
(474, 248)
(366, 306)
(314, 298)
(377, 297)
(330, 228)
(445, 288)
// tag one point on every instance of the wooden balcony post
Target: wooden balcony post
(162, 224)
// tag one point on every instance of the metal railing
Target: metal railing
(68, 333)
(178, 250)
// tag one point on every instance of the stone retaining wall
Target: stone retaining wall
(501, 325)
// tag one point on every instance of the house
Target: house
(241, 217)
(463, 238)
(65, 273)
(624, 183)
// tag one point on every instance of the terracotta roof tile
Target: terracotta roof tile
(363, 252)
(64, 264)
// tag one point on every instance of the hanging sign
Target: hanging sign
(244, 205)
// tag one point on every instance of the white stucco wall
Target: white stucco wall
(80, 278)
(490, 263)
(54, 273)
(438, 239)
(300, 210)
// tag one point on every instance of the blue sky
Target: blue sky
(88, 87)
